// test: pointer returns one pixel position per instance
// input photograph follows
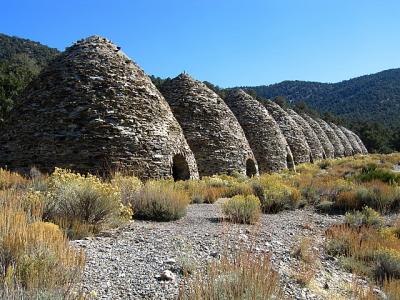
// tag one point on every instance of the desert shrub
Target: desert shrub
(239, 188)
(325, 206)
(366, 217)
(391, 287)
(242, 209)
(82, 205)
(160, 201)
(304, 251)
(218, 180)
(372, 172)
(275, 195)
(35, 257)
(324, 164)
(387, 264)
(367, 250)
(127, 186)
(11, 180)
(380, 196)
(375, 194)
(243, 276)
(201, 192)
(304, 274)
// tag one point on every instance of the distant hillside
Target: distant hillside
(20, 61)
(373, 97)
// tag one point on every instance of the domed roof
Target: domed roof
(360, 142)
(323, 138)
(93, 110)
(292, 132)
(211, 129)
(317, 151)
(353, 141)
(265, 138)
(336, 142)
(348, 150)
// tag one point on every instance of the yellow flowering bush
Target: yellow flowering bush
(275, 194)
(127, 186)
(242, 209)
(82, 204)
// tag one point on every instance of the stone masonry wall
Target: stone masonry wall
(265, 138)
(292, 132)
(348, 150)
(94, 110)
(211, 129)
(317, 151)
(323, 138)
(334, 139)
(360, 142)
(353, 141)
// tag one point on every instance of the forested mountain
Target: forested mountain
(373, 97)
(20, 61)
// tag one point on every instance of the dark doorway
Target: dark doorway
(180, 168)
(290, 162)
(311, 159)
(250, 168)
(323, 155)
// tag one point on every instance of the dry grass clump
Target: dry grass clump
(366, 217)
(127, 186)
(242, 209)
(160, 201)
(35, 256)
(306, 254)
(275, 194)
(367, 250)
(391, 287)
(203, 191)
(375, 194)
(242, 277)
(11, 180)
(82, 205)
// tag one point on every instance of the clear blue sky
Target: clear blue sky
(227, 42)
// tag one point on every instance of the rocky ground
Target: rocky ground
(127, 263)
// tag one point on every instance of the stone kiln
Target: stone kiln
(265, 138)
(94, 110)
(317, 151)
(292, 132)
(323, 138)
(334, 139)
(353, 141)
(211, 129)
(348, 149)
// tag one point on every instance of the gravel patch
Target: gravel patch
(128, 263)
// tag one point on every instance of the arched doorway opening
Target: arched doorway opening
(290, 162)
(251, 169)
(311, 159)
(180, 168)
(323, 155)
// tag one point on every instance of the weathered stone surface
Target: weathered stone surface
(317, 151)
(265, 138)
(210, 127)
(292, 132)
(93, 110)
(348, 150)
(323, 138)
(360, 142)
(337, 144)
(353, 141)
